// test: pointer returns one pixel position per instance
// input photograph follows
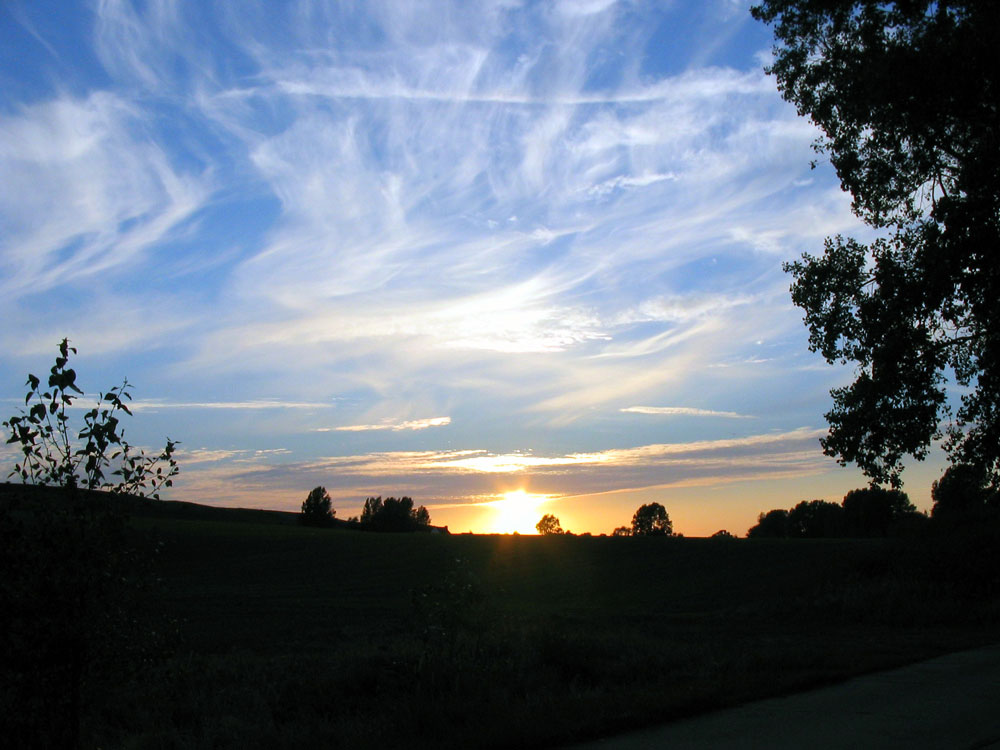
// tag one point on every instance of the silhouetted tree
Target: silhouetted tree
(72, 575)
(393, 514)
(549, 524)
(905, 94)
(97, 457)
(963, 493)
(622, 531)
(816, 519)
(773, 524)
(316, 509)
(651, 520)
(872, 511)
(722, 534)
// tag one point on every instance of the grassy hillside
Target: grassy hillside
(283, 636)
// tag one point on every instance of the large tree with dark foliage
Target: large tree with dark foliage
(906, 96)
(317, 508)
(774, 523)
(651, 520)
(816, 519)
(548, 525)
(963, 494)
(874, 511)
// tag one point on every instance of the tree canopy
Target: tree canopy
(549, 524)
(651, 520)
(393, 514)
(774, 523)
(963, 493)
(905, 94)
(872, 511)
(317, 509)
(816, 519)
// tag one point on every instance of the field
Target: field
(272, 635)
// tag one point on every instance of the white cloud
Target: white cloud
(684, 411)
(630, 182)
(84, 192)
(481, 461)
(411, 424)
(152, 404)
(584, 7)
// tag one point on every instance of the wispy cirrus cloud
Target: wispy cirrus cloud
(196, 456)
(521, 215)
(101, 193)
(411, 424)
(151, 404)
(482, 461)
(448, 477)
(683, 411)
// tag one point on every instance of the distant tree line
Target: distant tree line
(866, 512)
(963, 496)
(391, 514)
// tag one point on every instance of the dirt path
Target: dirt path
(952, 701)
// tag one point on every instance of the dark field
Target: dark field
(273, 635)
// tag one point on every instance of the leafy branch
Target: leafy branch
(51, 455)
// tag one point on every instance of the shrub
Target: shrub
(71, 573)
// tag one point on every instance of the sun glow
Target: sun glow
(517, 511)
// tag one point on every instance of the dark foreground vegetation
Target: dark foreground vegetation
(252, 631)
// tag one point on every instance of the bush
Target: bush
(71, 573)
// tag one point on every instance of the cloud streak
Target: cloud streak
(413, 424)
(142, 404)
(683, 411)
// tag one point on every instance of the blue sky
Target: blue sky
(448, 250)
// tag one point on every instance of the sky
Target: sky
(507, 258)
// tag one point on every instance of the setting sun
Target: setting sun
(517, 511)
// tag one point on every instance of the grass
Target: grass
(283, 636)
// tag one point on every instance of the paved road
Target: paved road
(949, 702)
